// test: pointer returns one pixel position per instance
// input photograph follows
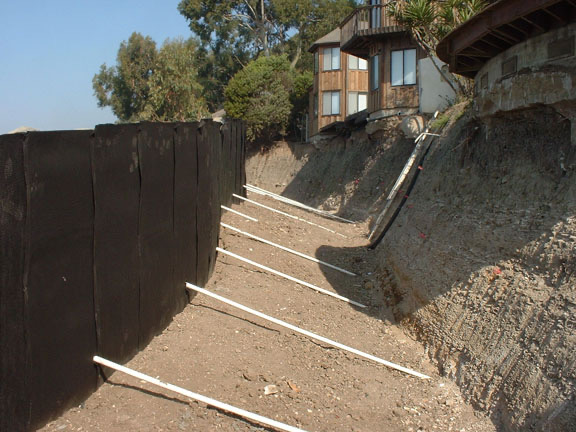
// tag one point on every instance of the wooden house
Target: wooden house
(340, 87)
(396, 76)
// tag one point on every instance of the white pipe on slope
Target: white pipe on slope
(196, 396)
(307, 333)
(292, 251)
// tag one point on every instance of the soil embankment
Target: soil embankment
(480, 264)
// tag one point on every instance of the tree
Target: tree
(175, 93)
(151, 84)
(246, 23)
(430, 20)
(260, 95)
(309, 20)
(125, 87)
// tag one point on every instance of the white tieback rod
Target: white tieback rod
(300, 254)
(286, 214)
(238, 213)
(196, 396)
(293, 279)
(307, 333)
(294, 203)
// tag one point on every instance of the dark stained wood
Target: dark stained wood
(501, 25)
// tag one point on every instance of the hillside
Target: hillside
(480, 264)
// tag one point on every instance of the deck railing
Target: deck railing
(368, 21)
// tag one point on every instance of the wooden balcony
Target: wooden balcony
(365, 24)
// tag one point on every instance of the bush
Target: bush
(260, 95)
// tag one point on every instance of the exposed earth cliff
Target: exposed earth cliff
(480, 264)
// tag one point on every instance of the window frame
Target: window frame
(374, 73)
(332, 93)
(358, 68)
(331, 49)
(357, 94)
(403, 63)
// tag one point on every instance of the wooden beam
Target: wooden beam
(553, 15)
(485, 40)
(504, 38)
(534, 24)
(513, 39)
(516, 26)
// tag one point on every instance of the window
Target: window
(315, 104)
(403, 65)
(375, 14)
(561, 48)
(331, 59)
(509, 66)
(331, 103)
(356, 63)
(375, 72)
(316, 61)
(357, 101)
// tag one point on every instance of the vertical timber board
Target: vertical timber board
(59, 272)
(233, 158)
(238, 162)
(13, 390)
(216, 145)
(156, 237)
(242, 157)
(116, 182)
(208, 210)
(185, 200)
(227, 167)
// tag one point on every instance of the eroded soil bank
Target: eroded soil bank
(480, 264)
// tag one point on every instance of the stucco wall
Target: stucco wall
(539, 71)
(435, 92)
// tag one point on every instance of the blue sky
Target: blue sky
(51, 49)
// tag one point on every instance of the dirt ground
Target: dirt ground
(223, 353)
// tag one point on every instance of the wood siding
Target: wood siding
(388, 97)
(342, 80)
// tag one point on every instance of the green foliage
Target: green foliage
(151, 84)
(125, 87)
(235, 32)
(175, 91)
(440, 122)
(260, 95)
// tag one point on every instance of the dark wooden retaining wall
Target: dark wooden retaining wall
(99, 231)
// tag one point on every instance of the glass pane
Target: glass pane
(335, 102)
(352, 102)
(362, 64)
(326, 103)
(362, 101)
(397, 66)
(316, 62)
(335, 58)
(375, 73)
(352, 62)
(409, 66)
(326, 59)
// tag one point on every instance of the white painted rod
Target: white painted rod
(292, 251)
(307, 333)
(293, 279)
(196, 396)
(294, 203)
(286, 214)
(238, 213)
